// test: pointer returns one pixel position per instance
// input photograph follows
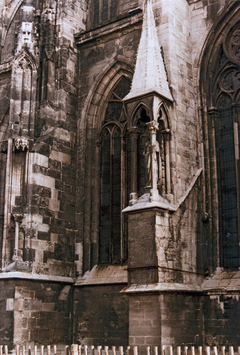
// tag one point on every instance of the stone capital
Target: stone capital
(21, 143)
(212, 111)
(153, 126)
(134, 131)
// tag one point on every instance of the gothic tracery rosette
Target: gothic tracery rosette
(230, 80)
(232, 44)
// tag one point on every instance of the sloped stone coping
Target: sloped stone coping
(104, 274)
(222, 281)
(35, 277)
(162, 287)
(144, 201)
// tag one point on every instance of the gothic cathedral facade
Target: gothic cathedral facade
(120, 173)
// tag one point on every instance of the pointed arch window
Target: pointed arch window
(104, 11)
(22, 108)
(114, 182)
(228, 150)
(224, 118)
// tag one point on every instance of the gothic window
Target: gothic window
(228, 182)
(22, 93)
(104, 11)
(114, 185)
(225, 87)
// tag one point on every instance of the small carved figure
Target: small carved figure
(148, 161)
(156, 153)
(152, 156)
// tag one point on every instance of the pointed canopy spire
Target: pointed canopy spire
(150, 74)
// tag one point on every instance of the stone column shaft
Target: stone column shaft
(155, 161)
(134, 137)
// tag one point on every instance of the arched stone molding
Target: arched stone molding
(218, 64)
(98, 94)
(9, 12)
(217, 34)
(137, 111)
(165, 117)
(88, 156)
(25, 54)
(23, 94)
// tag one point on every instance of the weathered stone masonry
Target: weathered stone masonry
(119, 182)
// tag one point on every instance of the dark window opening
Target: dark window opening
(227, 184)
(114, 177)
(104, 12)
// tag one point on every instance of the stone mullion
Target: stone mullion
(153, 127)
(109, 9)
(6, 252)
(95, 205)
(123, 193)
(213, 116)
(134, 133)
(167, 160)
(27, 198)
(237, 165)
(100, 10)
(87, 209)
(111, 196)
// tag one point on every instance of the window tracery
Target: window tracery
(114, 164)
(224, 89)
(23, 95)
(104, 11)
(134, 160)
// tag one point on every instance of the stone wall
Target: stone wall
(221, 319)
(7, 312)
(108, 11)
(41, 184)
(100, 315)
(60, 61)
(166, 319)
(35, 312)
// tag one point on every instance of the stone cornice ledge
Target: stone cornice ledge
(222, 281)
(162, 287)
(143, 202)
(34, 277)
(131, 18)
(5, 67)
(104, 274)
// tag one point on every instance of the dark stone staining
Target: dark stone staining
(6, 320)
(42, 148)
(54, 164)
(49, 316)
(93, 324)
(46, 171)
(221, 317)
(29, 254)
(44, 236)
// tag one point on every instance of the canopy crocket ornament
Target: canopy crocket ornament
(149, 87)
(150, 74)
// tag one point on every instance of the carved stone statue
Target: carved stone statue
(152, 157)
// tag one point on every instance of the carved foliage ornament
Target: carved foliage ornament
(21, 144)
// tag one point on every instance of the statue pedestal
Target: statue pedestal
(161, 304)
